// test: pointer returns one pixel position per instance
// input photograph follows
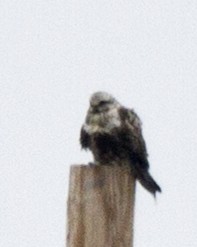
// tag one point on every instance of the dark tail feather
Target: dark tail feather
(147, 181)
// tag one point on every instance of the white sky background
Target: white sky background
(53, 55)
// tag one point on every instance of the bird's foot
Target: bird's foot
(91, 164)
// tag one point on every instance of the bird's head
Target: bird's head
(102, 102)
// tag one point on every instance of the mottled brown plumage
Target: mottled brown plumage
(114, 135)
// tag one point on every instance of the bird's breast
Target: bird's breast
(103, 122)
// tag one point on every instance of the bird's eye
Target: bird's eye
(103, 102)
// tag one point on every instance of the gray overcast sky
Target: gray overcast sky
(53, 55)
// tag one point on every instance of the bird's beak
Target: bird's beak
(94, 109)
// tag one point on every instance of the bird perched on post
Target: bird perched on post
(114, 135)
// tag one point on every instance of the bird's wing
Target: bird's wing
(135, 142)
(84, 138)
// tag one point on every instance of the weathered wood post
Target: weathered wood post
(100, 206)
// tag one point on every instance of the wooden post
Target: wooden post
(100, 206)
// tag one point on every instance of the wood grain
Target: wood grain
(100, 206)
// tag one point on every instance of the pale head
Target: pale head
(102, 101)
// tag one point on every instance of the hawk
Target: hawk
(114, 135)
